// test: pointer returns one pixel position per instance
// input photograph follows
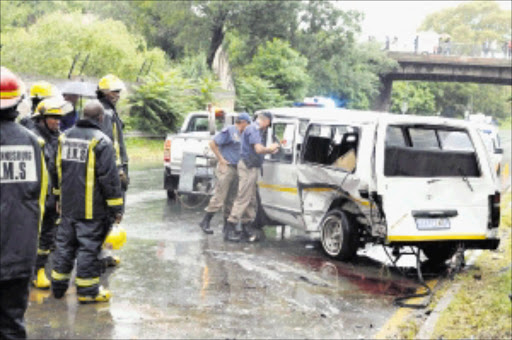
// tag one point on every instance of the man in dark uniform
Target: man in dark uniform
(91, 201)
(47, 118)
(251, 159)
(23, 186)
(226, 147)
(109, 90)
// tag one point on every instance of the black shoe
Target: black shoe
(248, 234)
(205, 223)
(231, 235)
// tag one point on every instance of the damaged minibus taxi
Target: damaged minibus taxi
(351, 178)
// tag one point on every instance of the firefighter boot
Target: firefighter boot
(205, 223)
(41, 281)
(231, 233)
(103, 295)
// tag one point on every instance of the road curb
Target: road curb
(427, 329)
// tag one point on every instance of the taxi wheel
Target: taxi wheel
(338, 235)
(438, 253)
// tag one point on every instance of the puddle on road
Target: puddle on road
(174, 281)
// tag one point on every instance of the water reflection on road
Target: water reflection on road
(174, 281)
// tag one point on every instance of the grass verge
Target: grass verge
(144, 152)
(482, 308)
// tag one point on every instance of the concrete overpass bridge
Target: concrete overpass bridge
(441, 68)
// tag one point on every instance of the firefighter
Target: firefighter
(47, 117)
(38, 92)
(109, 90)
(23, 186)
(226, 147)
(251, 159)
(90, 202)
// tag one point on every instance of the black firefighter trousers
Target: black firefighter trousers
(80, 239)
(46, 238)
(13, 304)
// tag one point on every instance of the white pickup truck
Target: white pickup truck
(195, 134)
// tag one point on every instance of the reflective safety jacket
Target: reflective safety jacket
(87, 177)
(112, 126)
(51, 140)
(23, 187)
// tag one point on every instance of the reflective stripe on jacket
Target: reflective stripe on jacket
(51, 140)
(88, 179)
(23, 187)
(112, 126)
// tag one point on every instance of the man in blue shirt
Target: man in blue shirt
(251, 159)
(226, 147)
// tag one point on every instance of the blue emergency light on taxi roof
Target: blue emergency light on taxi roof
(316, 102)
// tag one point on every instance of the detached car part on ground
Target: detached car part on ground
(353, 177)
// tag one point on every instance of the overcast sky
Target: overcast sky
(397, 18)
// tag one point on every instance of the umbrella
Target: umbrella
(80, 88)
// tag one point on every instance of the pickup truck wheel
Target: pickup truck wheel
(338, 235)
(438, 253)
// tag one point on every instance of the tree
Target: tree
(49, 46)
(282, 66)
(418, 96)
(254, 93)
(23, 13)
(350, 74)
(471, 22)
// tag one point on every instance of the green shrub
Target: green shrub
(160, 102)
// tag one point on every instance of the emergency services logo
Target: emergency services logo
(17, 164)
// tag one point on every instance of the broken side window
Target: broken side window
(334, 146)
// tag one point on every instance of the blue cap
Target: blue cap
(244, 116)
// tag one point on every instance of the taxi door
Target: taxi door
(278, 181)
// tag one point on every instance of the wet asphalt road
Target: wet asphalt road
(176, 282)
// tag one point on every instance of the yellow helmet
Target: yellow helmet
(56, 107)
(110, 83)
(116, 238)
(42, 89)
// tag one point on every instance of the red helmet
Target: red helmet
(10, 89)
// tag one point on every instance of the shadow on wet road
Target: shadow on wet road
(176, 282)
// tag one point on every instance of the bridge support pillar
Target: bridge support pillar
(383, 100)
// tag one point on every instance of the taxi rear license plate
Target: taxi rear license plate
(432, 223)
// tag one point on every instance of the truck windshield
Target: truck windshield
(332, 145)
(412, 151)
(200, 123)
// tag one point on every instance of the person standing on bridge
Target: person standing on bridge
(249, 167)
(23, 187)
(226, 147)
(91, 201)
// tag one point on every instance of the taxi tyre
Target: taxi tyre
(438, 253)
(338, 235)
